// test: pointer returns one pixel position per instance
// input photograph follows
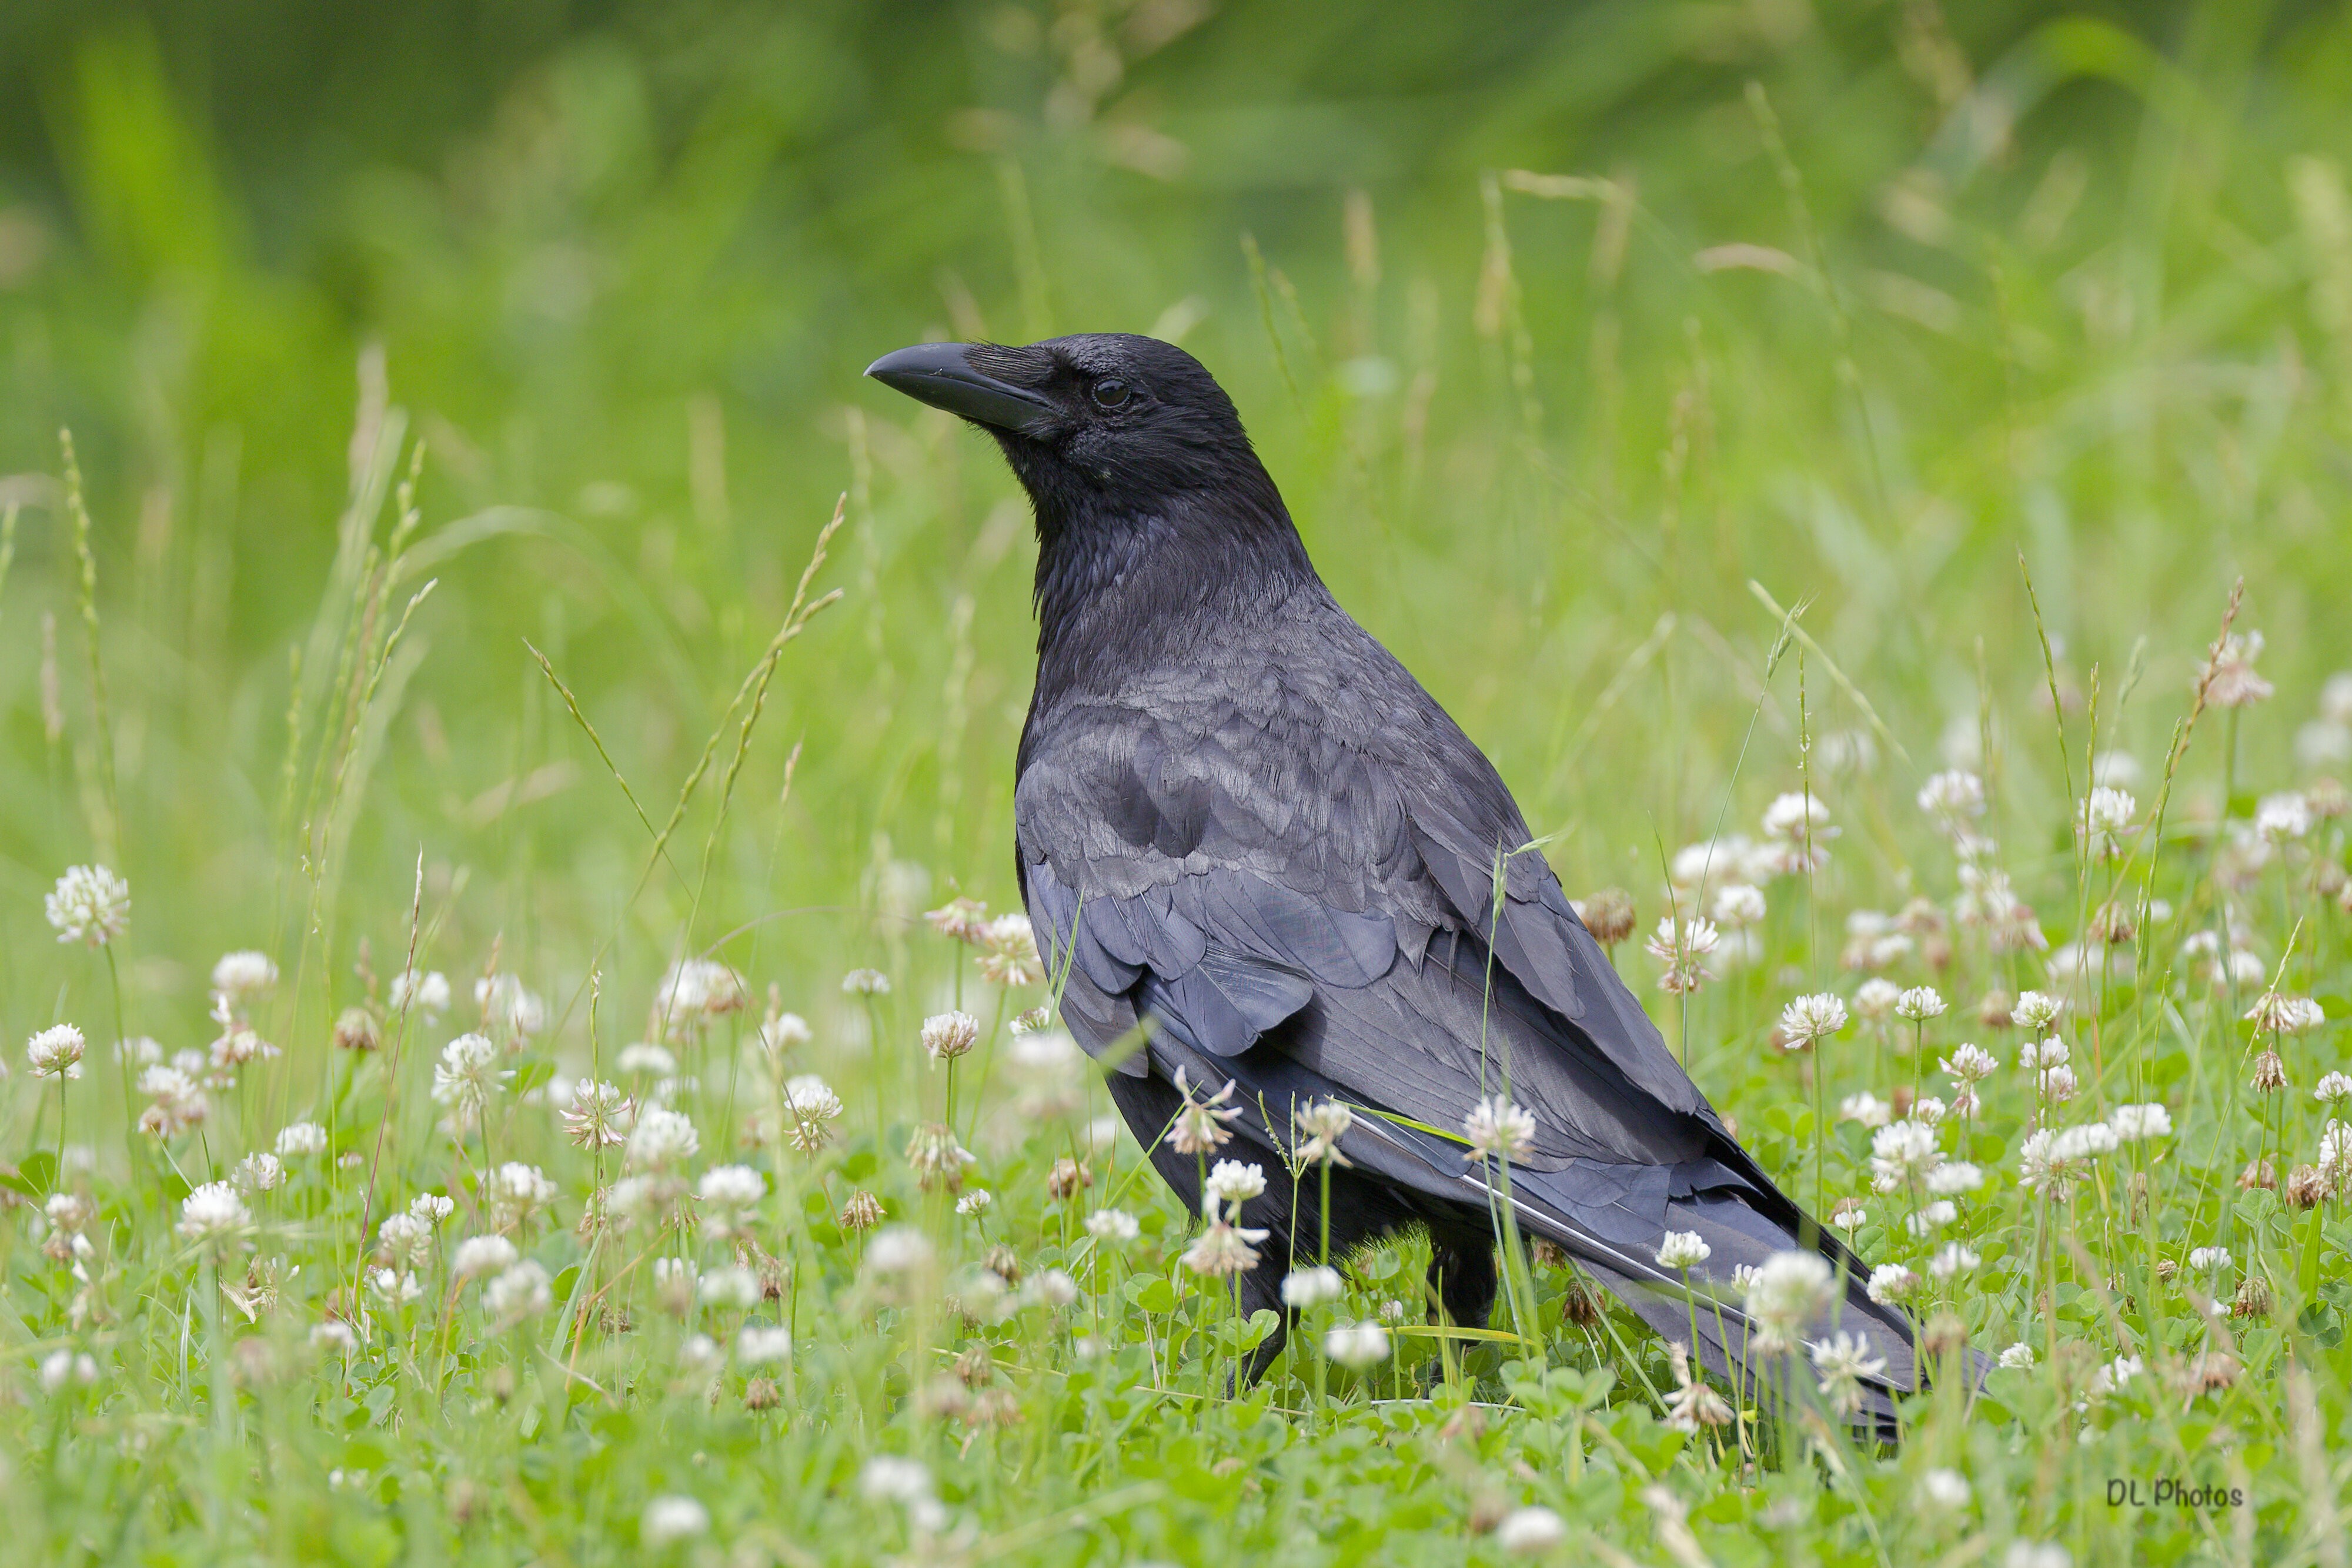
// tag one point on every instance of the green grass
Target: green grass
(1673, 528)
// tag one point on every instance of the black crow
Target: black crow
(1263, 854)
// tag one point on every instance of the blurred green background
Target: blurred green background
(1564, 320)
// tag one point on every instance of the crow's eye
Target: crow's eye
(1111, 394)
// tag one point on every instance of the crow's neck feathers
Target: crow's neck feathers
(1135, 570)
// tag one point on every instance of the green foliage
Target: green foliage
(1581, 339)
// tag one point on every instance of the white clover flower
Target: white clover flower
(2133, 1123)
(2332, 1089)
(1944, 1489)
(1681, 946)
(698, 1355)
(1325, 1123)
(759, 1345)
(1954, 1177)
(1968, 1064)
(395, 1289)
(1954, 1259)
(947, 1036)
(1843, 1360)
(1497, 1128)
(432, 1207)
(2118, 1374)
(1953, 797)
(1112, 1225)
(60, 1367)
(1531, 1531)
(523, 1291)
(1682, 1250)
(90, 904)
(2035, 1058)
(335, 1337)
(2085, 1142)
(865, 983)
(887, 1477)
(811, 1105)
(480, 1255)
(1891, 1282)
(696, 990)
(731, 1287)
(1849, 1217)
(1927, 1110)
(597, 1115)
(55, 1053)
(2016, 1357)
(407, 1240)
(1866, 1108)
(2056, 1085)
(300, 1140)
(647, 1059)
(516, 1192)
(1739, 905)
(785, 1032)
(1811, 1017)
(1874, 998)
(504, 1000)
(2209, 1260)
(468, 1073)
(731, 1186)
(668, 1520)
(213, 1214)
(427, 993)
(2036, 1010)
(1797, 820)
(1932, 1216)
(1305, 1288)
(1233, 1183)
(1901, 1151)
(1357, 1346)
(2104, 821)
(178, 1103)
(1009, 953)
(662, 1138)
(976, 1201)
(1784, 1295)
(1222, 1249)
(2228, 675)
(258, 1173)
(898, 1250)
(238, 978)
(2284, 816)
(1049, 1288)
(1919, 1004)
(2275, 1014)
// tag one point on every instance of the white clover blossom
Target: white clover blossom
(90, 904)
(259, 1172)
(1325, 1123)
(865, 983)
(597, 1114)
(2333, 1089)
(1874, 998)
(731, 1288)
(506, 1002)
(731, 1186)
(55, 1053)
(2133, 1124)
(480, 1255)
(1811, 1017)
(947, 1036)
(1919, 1004)
(1198, 1126)
(432, 1207)
(1954, 1177)
(1113, 1225)
(1682, 946)
(2228, 675)
(1787, 1291)
(213, 1215)
(1968, 1064)
(976, 1201)
(1682, 1250)
(1953, 797)
(1738, 905)
(696, 990)
(427, 993)
(407, 1240)
(1953, 1260)
(2036, 1010)
(2104, 821)
(898, 1250)
(2284, 816)
(515, 1193)
(662, 1138)
(523, 1291)
(240, 976)
(2275, 1014)
(1844, 1361)
(2209, 1259)
(1231, 1182)
(1009, 955)
(2016, 1357)
(761, 1345)
(1891, 1282)
(302, 1140)
(1944, 1489)
(1531, 1531)
(1357, 1346)
(1498, 1129)
(1932, 1216)
(1902, 1151)
(1866, 1108)
(668, 1520)
(1305, 1288)
(468, 1073)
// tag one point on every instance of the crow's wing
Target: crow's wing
(1299, 846)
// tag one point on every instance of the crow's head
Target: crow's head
(1102, 422)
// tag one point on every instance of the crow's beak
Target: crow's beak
(941, 374)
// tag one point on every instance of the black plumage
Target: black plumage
(1261, 851)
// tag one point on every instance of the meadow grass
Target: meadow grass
(1847, 526)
